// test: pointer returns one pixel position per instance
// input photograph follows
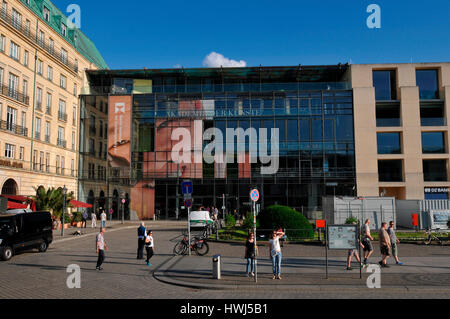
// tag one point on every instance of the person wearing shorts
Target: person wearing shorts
(385, 245)
(367, 241)
(394, 242)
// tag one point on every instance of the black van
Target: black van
(24, 231)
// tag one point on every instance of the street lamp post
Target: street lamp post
(64, 190)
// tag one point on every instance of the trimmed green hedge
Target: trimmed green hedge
(296, 224)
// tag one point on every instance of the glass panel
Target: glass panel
(390, 171)
(427, 81)
(433, 143)
(385, 85)
(435, 170)
(389, 143)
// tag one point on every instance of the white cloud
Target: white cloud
(217, 60)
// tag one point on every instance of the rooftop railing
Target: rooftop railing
(31, 35)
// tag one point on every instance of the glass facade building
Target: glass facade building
(311, 109)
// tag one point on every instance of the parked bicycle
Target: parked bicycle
(199, 245)
(431, 236)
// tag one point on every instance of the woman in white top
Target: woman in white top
(149, 244)
(275, 254)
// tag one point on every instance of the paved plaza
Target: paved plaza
(33, 275)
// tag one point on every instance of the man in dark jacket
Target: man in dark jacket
(142, 233)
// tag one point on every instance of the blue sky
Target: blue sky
(165, 34)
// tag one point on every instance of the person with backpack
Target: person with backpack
(142, 234)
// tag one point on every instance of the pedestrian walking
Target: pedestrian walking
(275, 254)
(103, 219)
(84, 219)
(354, 253)
(94, 219)
(149, 246)
(394, 242)
(385, 245)
(367, 241)
(101, 248)
(142, 234)
(251, 252)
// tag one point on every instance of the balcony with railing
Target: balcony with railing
(61, 143)
(37, 136)
(47, 138)
(62, 116)
(32, 36)
(13, 128)
(14, 94)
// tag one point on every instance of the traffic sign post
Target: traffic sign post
(187, 188)
(254, 196)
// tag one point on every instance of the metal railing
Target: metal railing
(14, 94)
(13, 128)
(62, 116)
(32, 36)
(62, 143)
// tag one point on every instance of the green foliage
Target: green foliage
(230, 221)
(52, 200)
(248, 222)
(67, 219)
(77, 217)
(351, 221)
(285, 217)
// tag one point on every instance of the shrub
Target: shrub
(351, 221)
(296, 224)
(77, 217)
(230, 221)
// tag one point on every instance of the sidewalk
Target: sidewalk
(112, 225)
(301, 272)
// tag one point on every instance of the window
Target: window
(61, 137)
(385, 84)
(50, 73)
(63, 164)
(432, 113)
(75, 89)
(41, 161)
(57, 165)
(25, 87)
(10, 151)
(2, 73)
(48, 108)
(13, 85)
(51, 45)
(74, 116)
(63, 82)
(47, 132)
(22, 153)
(47, 162)
(389, 143)
(2, 43)
(39, 99)
(63, 56)
(72, 168)
(46, 14)
(38, 128)
(16, 19)
(40, 67)
(11, 118)
(428, 83)
(433, 143)
(25, 58)
(63, 29)
(24, 119)
(35, 154)
(435, 170)
(62, 116)
(27, 27)
(15, 51)
(390, 171)
(41, 38)
(73, 141)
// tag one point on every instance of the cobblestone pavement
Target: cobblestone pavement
(33, 275)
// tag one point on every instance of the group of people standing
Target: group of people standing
(94, 218)
(388, 245)
(252, 251)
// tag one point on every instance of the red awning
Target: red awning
(78, 204)
(14, 205)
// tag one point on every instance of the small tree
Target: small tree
(248, 222)
(52, 200)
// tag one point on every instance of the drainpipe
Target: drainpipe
(34, 100)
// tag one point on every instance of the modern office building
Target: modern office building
(311, 106)
(402, 113)
(42, 69)
(344, 130)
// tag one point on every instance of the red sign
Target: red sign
(415, 220)
(320, 223)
